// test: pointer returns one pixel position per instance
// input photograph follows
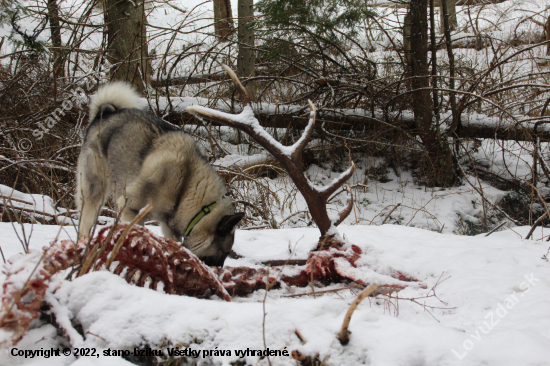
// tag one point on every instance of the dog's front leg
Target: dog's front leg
(128, 213)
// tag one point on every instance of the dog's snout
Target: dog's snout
(215, 261)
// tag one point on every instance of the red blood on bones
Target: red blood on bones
(148, 259)
(241, 281)
(153, 259)
(145, 259)
(22, 293)
(328, 266)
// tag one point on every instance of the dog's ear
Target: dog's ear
(228, 222)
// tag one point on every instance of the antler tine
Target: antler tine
(338, 182)
(15, 26)
(311, 105)
(347, 210)
(240, 87)
(207, 114)
(37, 33)
(304, 139)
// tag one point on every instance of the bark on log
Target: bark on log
(185, 80)
(392, 4)
(360, 123)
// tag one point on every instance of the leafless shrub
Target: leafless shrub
(28, 97)
(358, 83)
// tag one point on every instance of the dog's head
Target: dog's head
(211, 232)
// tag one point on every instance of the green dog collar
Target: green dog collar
(203, 212)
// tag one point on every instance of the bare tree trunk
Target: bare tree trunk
(435, 94)
(418, 63)
(548, 36)
(450, 54)
(53, 17)
(451, 11)
(246, 62)
(440, 170)
(127, 41)
(223, 18)
(407, 37)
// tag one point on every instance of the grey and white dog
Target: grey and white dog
(138, 158)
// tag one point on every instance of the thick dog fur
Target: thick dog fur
(138, 158)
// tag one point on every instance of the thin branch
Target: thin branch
(240, 87)
(539, 220)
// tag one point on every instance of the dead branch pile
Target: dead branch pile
(40, 126)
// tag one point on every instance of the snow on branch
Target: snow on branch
(336, 182)
(248, 123)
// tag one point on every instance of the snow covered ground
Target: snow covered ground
(491, 308)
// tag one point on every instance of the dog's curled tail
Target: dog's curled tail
(113, 96)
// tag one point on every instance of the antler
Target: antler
(290, 157)
(29, 40)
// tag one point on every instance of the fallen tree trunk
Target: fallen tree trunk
(392, 4)
(184, 80)
(503, 132)
(483, 128)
